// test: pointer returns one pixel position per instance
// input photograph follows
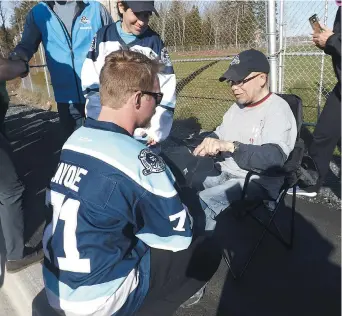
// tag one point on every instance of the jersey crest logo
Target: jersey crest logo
(152, 162)
(235, 61)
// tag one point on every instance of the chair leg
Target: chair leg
(252, 254)
(226, 258)
(289, 244)
(243, 270)
(276, 234)
(293, 211)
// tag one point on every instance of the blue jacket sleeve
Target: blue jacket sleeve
(105, 16)
(30, 39)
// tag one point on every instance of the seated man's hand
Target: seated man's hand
(212, 146)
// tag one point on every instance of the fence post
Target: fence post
(320, 89)
(272, 45)
(42, 58)
(30, 79)
(281, 52)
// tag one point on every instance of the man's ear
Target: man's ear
(137, 100)
(264, 78)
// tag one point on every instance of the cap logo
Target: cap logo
(235, 61)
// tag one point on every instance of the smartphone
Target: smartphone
(314, 21)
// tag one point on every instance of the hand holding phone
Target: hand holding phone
(314, 22)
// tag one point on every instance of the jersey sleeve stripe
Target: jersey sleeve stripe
(172, 243)
(167, 192)
(96, 300)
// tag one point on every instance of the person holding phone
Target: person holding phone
(327, 133)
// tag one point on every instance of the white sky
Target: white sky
(296, 13)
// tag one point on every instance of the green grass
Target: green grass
(207, 99)
(39, 85)
(302, 77)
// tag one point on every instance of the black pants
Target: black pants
(71, 117)
(326, 135)
(11, 203)
(176, 276)
(3, 111)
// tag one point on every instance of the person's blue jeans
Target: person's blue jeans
(220, 191)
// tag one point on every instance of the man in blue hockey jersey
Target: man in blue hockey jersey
(133, 33)
(120, 241)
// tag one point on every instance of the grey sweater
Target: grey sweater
(267, 134)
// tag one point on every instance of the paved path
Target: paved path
(304, 281)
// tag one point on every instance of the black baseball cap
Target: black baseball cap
(141, 6)
(244, 63)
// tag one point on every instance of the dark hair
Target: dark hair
(125, 6)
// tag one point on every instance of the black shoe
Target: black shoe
(13, 266)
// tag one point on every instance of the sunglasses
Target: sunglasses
(240, 83)
(158, 96)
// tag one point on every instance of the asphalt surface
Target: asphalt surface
(279, 282)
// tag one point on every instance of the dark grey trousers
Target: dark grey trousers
(326, 135)
(11, 203)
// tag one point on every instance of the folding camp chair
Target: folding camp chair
(290, 173)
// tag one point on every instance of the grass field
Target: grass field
(206, 99)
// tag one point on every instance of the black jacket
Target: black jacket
(333, 48)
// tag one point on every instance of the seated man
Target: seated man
(120, 241)
(258, 132)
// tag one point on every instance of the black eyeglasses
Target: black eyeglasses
(158, 96)
(240, 83)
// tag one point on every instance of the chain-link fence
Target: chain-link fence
(38, 80)
(203, 36)
(305, 69)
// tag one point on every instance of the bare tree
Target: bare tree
(6, 41)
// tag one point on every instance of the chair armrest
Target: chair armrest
(291, 165)
(273, 173)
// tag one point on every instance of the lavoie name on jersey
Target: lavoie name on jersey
(69, 176)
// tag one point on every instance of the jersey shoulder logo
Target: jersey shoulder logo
(152, 163)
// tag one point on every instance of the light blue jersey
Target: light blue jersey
(113, 199)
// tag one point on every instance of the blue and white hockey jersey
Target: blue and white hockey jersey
(112, 200)
(108, 40)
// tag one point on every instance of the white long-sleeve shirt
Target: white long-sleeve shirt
(108, 40)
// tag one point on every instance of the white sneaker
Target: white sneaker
(302, 192)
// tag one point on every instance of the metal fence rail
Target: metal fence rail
(203, 36)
